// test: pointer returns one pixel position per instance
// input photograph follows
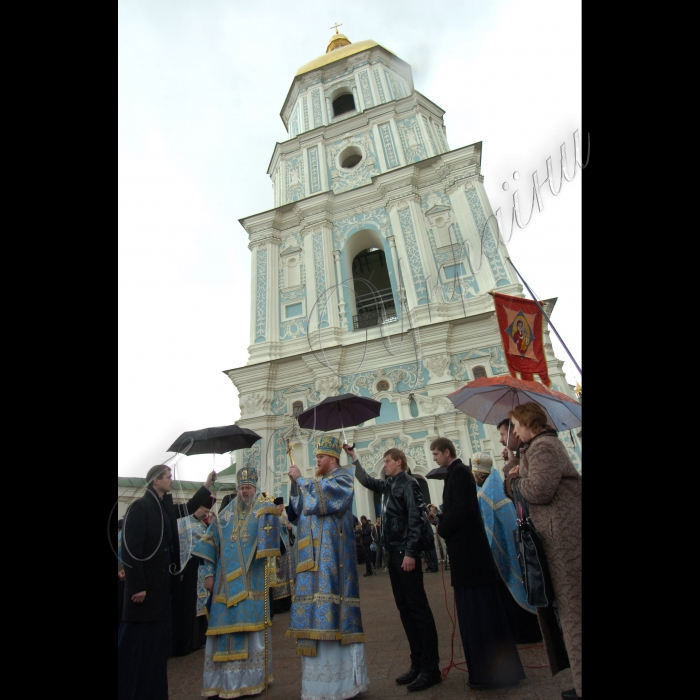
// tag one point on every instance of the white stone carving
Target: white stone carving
(437, 365)
(328, 386)
(251, 404)
(433, 404)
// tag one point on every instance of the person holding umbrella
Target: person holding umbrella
(548, 482)
(402, 532)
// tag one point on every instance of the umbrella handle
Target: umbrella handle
(342, 427)
(345, 439)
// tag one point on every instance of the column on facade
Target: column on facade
(323, 169)
(311, 293)
(380, 150)
(493, 225)
(340, 296)
(475, 254)
(404, 270)
(253, 289)
(426, 252)
(428, 139)
(272, 245)
(399, 288)
(397, 141)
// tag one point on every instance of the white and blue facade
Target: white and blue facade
(378, 178)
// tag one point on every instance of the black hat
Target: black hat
(279, 501)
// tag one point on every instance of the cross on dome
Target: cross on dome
(335, 26)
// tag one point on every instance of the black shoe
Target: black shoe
(569, 694)
(433, 571)
(409, 676)
(368, 573)
(425, 680)
(477, 686)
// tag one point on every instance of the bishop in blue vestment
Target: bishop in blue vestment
(238, 551)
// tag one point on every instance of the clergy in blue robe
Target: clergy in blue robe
(498, 514)
(325, 617)
(238, 551)
(286, 565)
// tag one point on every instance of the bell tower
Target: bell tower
(370, 273)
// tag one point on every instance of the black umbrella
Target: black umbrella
(438, 473)
(441, 472)
(221, 439)
(341, 411)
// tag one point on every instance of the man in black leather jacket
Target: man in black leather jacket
(403, 525)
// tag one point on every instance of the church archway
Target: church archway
(372, 298)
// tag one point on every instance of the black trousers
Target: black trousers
(416, 615)
(364, 556)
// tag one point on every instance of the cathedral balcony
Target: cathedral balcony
(374, 308)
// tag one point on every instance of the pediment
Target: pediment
(290, 251)
(438, 209)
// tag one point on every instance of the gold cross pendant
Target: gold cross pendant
(244, 536)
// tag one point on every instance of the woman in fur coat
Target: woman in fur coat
(550, 484)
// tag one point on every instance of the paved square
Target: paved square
(386, 653)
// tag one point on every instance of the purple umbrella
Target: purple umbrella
(338, 412)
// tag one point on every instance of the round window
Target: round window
(382, 385)
(350, 157)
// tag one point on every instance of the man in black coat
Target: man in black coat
(151, 554)
(489, 648)
(404, 532)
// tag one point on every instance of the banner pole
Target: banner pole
(544, 313)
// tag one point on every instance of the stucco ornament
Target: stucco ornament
(438, 366)
(251, 404)
(327, 386)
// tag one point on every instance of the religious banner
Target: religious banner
(521, 327)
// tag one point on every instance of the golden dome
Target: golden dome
(337, 40)
(336, 52)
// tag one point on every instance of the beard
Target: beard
(247, 499)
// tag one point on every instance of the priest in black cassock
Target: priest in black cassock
(489, 648)
(151, 555)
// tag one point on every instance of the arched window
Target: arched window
(343, 103)
(374, 299)
(297, 407)
(479, 372)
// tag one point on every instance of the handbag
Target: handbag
(532, 558)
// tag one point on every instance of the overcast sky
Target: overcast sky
(201, 86)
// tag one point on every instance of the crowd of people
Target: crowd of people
(188, 578)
